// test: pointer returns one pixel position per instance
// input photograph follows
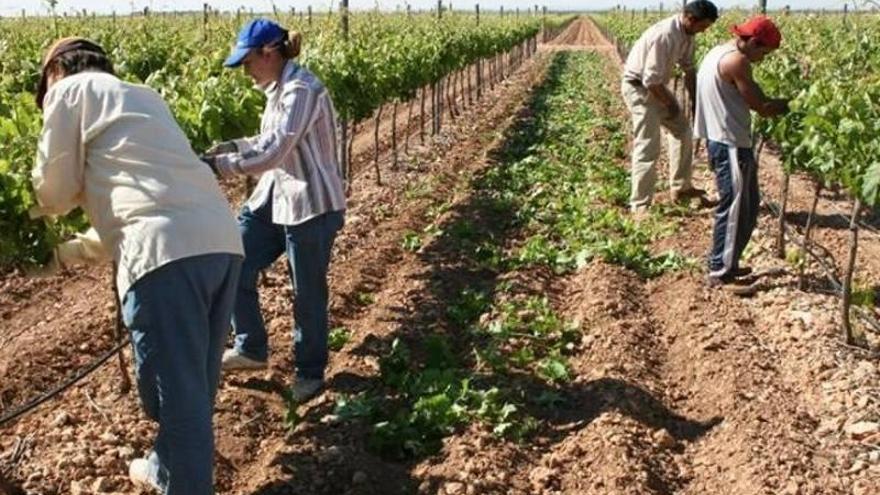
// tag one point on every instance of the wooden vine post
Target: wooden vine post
(376, 145)
(344, 149)
(807, 230)
(479, 64)
(846, 299)
(119, 335)
(437, 88)
(783, 205)
(205, 10)
(394, 133)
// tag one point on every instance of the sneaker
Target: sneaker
(689, 193)
(304, 389)
(234, 360)
(140, 472)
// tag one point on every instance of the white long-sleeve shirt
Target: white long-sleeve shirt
(114, 149)
(654, 56)
(295, 151)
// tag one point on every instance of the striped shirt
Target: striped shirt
(295, 151)
(656, 52)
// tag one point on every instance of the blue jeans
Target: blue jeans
(178, 316)
(736, 176)
(308, 246)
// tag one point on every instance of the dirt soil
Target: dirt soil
(678, 389)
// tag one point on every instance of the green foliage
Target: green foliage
(387, 57)
(337, 338)
(412, 241)
(427, 402)
(571, 197)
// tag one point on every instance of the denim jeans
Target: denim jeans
(736, 176)
(178, 316)
(308, 246)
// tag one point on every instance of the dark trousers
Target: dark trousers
(736, 176)
(308, 247)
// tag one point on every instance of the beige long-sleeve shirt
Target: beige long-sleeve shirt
(653, 57)
(295, 152)
(114, 149)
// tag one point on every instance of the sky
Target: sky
(13, 7)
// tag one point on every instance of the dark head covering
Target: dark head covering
(60, 47)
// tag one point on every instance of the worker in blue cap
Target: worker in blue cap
(297, 206)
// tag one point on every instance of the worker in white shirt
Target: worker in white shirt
(297, 207)
(114, 149)
(648, 70)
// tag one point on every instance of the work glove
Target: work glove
(85, 248)
(222, 148)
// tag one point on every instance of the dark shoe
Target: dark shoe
(234, 360)
(304, 389)
(685, 194)
(743, 271)
(728, 283)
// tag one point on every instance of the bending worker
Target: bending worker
(114, 149)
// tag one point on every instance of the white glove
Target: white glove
(84, 248)
(36, 212)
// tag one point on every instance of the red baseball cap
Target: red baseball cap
(762, 29)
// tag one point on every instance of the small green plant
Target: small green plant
(554, 368)
(463, 230)
(468, 306)
(794, 257)
(337, 338)
(864, 295)
(365, 298)
(291, 417)
(412, 241)
(349, 407)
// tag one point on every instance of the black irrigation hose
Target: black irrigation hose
(862, 313)
(21, 411)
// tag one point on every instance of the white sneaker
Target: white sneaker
(140, 472)
(304, 389)
(233, 360)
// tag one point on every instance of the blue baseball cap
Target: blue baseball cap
(254, 34)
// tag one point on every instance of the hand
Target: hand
(780, 106)
(222, 148)
(777, 107)
(84, 248)
(36, 212)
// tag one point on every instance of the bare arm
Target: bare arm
(736, 69)
(690, 82)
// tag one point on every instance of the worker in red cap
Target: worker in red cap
(726, 95)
